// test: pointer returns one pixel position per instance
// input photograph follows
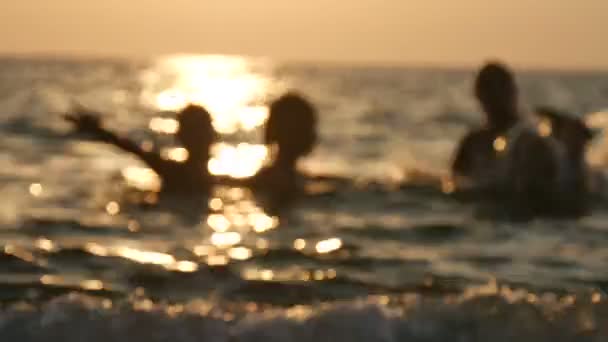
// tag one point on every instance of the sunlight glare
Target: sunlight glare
(328, 246)
(218, 222)
(36, 189)
(92, 285)
(228, 87)
(178, 154)
(145, 257)
(240, 253)
(223, 240)
(241, 161)
(141, 178)
(45, 244)
(262, 222)
(164, 125)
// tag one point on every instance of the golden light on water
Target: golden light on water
(328, 246)
(88, 285)
(262, 222)
(218, 222)
(202, 250)
(133, 226)
(262, 244)
(164, 125)
(112, 208)
(216, 204)
(217, 260)
(96, 249)
(233, 89)
(223, 240)
(19, 252)
(183, 266)
(178, 154)
(141, 178)
(241, 161)
(252, 117)
(48, 279)
(236, 194)
(35, 189)
(257, 274)
(331, 273)
(92, 285)
(299, 244)
(45, 244)
(240, 253)
(230, 88)
(143, 257)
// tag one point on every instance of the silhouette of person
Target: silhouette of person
(195, 134)
(290, 134)
(508, 158)
(476, 162)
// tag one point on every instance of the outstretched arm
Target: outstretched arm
(90, 123)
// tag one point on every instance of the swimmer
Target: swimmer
(290, 134)
(513, 158)
(195, 134)
(478, 163)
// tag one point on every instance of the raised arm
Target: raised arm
(90, 123)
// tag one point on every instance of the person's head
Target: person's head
(496, 90)
(292, 126)
(195, 131)
(571, 131)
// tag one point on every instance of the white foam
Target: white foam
(493, 318)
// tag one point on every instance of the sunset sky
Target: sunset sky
(531, 33)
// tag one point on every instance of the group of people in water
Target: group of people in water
(530, 164)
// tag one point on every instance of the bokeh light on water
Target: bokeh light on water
(72, 226)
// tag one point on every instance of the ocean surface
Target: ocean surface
(87, 252)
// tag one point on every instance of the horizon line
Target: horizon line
(323, 62)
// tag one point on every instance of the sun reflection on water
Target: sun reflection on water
(141, 178)
(223, 240)
(328, 246)
(241, 161)
(165, 260)
(164, 125)
(234, 90)
(178, 154)
(231, 89)
(235, 93)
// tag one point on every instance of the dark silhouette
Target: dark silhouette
(574, 137)
(518, 162)
(477, 159)
(572, 132)
(195, 134)
(291, 133)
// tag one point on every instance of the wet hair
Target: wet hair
(195, 126)
(495, 82)
(292, 125)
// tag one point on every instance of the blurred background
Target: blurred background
(392, 83)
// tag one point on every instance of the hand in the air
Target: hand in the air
(85, 121)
